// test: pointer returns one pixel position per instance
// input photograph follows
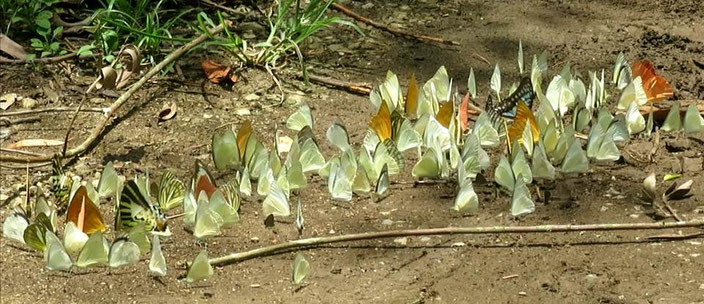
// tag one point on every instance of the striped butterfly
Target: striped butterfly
(508, 106)
(135, 207)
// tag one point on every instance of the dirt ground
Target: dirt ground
(609, 267)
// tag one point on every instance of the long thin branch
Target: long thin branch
(311, 242)
(41, 60)
(356, 88)
(57, 109)
(98, 129)
(390, 29)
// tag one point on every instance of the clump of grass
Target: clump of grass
(290, 24)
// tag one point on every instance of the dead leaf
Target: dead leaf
(108, 78)
(26, 143)
(680, 192)
(167, 112)
(11, 48)
(215, 72)
(7, 100)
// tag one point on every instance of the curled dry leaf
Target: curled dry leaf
(216, 72)
(25, 143)
(649, 187)
(167, 112)
(108, 79)
(130, 59)
(677, 193)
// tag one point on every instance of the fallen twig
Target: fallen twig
(5, 122)
(390, 29)
(676, 236)
(352, 87)
(316, 241)
(59, 109)
(10, 150)
(39, 60)
(23, 167)
(98, 129)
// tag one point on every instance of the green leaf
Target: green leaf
(36, 43)
(57, 31)
(86, 50)
(54, 46)
(42, 19)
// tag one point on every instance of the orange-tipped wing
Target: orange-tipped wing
(243, 135)
(464, 112)
(203, 181)
(655, 86)
(523, 114)
(411, 97)
(381, 122)
(445, 114)
(84, 213)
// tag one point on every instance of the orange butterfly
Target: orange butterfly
(381, 122)
(84, 213)
(411, 97)
(523, 115)
(444, 115)
(655, 86)
(243, 136)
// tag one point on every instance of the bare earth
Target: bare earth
(618, 267)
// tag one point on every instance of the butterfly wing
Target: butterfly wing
(444, 114)
(84, 213)
(381, 122)
(656, 87)
(411, 97)
(524, 92)
(523, 115)
(134, 209)
(203, 181)
(243, 136)
(171, 191)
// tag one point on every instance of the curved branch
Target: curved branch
(311, 242)
(98, 129)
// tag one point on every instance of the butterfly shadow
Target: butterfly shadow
(119, 119)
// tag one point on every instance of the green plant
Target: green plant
(48, 44)
(33, 17)
(289, 26)
(138, 22)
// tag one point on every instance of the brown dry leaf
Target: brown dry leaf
(26, 143)
(167, 112)
(108, 78)
(682, 191)
(215, 71)
(11, 48)
(7, 100)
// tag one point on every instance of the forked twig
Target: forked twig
(316, 241)
(390, 29)
(98, 129)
